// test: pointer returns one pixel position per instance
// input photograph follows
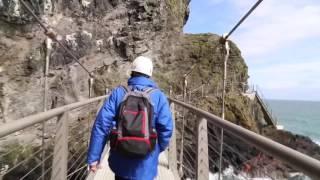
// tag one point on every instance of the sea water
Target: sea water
(299, 117)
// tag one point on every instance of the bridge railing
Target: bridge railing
(65, 147)
(202, 152)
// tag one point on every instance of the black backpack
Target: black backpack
(134, 135)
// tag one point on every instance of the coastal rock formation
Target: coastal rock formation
(201, 56)
(104, 35)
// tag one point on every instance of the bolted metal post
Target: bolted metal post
(183, 124)
(172, 153)
(60, 152)
(48, 44)
(227, 50)
(90, 83)
(202, 152)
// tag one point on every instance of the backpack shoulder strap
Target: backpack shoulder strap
(149, 90)
(126, 88)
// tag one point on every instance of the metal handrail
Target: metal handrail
(302, 162)
(28, 121)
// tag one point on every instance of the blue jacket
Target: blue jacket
(140, 169)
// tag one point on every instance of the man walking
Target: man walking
(137, 121)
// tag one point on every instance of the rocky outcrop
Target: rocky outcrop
(201, 55)
(104, 35)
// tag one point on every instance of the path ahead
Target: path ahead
(164, 172)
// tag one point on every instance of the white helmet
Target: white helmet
(142, 65)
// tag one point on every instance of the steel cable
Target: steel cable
(81, 133)
(52, 35)
(243, 18)
(190, 158)
(84, 175)
(75, 162)
(36, 166)
(191, 171)
(81, 174)
(233, 150)
(75, 153)
(44, 173)
(15, 148)
(230, 148)
(79, 169)
(223, 158)
(25, 160)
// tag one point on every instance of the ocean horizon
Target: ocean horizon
(298, 116)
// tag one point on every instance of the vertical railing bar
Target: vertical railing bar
(183, 124)
(172, 153)
(227, 49)
(45, 97)
(90, 81)
(202, 91)
(202, 150)
(60, 157)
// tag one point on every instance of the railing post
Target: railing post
(90, 83)
(48, 43)
(183, 124)
(202, 90)
(226, 58)
(202, 151)
(172, 153)
(60, 152)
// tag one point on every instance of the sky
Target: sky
(280, 42)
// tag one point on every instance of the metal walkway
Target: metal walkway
(68, 154)
(164, 172)
(257, 97)
(268, 116)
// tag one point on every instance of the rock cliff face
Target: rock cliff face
(104, 34)
(202, 56)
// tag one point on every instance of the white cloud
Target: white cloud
(274, 40)
(277, 24)
(288, 76)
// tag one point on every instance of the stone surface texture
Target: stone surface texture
(104, 34)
